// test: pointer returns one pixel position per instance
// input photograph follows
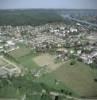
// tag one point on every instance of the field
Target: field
(78, 77)
(8, 92)
(23, 56)
(19, 52)
(26, 58)
(48, 61)
(2, 62)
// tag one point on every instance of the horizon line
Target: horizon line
(48, 8)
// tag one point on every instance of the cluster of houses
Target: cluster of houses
(8, 70)
(67, 40)
(7, 44)
(88, 58)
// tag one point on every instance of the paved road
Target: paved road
(78, 20)
(19, 70)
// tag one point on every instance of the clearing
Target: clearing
(48, 61)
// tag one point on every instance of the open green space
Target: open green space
(27, 61)
(79, 77)
(76, 79)
(19, 52)
(20, 86)
(2, 62)
(7, 90)
(23, 56)
(50, 81)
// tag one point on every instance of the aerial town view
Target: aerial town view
(48, 50)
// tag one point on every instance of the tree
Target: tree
(73, 62)
(95, 79)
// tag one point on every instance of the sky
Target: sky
(68, 4)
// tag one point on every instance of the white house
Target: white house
(86, 58)
(73, 29)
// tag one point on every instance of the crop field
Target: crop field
(48, 61)
(78, 77)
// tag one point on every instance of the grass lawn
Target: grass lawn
(19, 52)
(39, 97)
(8, 92)
(27, 61)
(51, 84)
(24, 56)
(78, 77)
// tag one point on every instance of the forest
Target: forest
(28, 17)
